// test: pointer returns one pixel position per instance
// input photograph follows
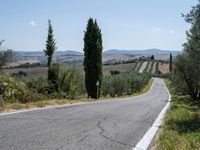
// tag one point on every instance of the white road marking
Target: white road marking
(144, 143)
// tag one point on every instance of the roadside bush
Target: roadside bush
(65, 83)
(124, 84)
(30, 96)
(11, 88)
(16, 91)
(186, 76)
(40, 85)
(118, 86)
(20, 74)
(105, 85)
(114, 72)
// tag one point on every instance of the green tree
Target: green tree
(50, 48)
(187, 67)
(152, 57)
(5, 55)
(170, 62)
(93, 58)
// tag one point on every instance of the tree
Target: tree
(50, 48)
(187, 66)
(152, 57)
(185, 76)
(5, 55)
(93, 58)
(170, 62)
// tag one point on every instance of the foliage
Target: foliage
(114, 72)
(93, 58)
(53, 75)
(50, 48)
(151, 68)
(66, 83)
(19, 74)
(5, 56)
(147, 66)
(186, 76)
(40, 85)
(139, 66)
(170, 63)
(157, 72)
(187, 66)
(124, 84)
(152, 57)
(16, 91)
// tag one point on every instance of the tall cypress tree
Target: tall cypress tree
(170, 63)
(93, 58)
(50, 48)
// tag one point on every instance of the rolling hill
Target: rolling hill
(141, 52)
(76, 57)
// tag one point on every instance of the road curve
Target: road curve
(110, 125)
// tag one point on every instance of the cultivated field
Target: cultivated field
(139, 66)
(164, 67)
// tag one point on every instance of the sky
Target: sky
(125, 24)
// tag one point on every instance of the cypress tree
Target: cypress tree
(50, 48)
(93, 58)
(170, 63)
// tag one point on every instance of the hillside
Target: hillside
(142, 52)
(141, 67)
(74, 57)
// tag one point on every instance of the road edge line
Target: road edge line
(76, 104)
(148, 137)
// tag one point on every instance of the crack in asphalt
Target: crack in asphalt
(102, 131)
(82, 139)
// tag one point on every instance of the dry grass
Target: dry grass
(40, 104)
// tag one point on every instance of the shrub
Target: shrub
(105, 85)
(124, 84)
(40, 85)
(114, 72)
(30, 96)
(12, 90)
(65, 83)
(16, 91)
(20, 74)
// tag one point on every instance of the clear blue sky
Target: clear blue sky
(125, 24)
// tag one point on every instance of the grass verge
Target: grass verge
(181, 129)
(40, 104)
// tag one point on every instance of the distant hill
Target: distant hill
(141, 52)
(41, 53)
(107, 52)
(75, 57)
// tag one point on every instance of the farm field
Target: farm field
(139, 67)
(164, 67)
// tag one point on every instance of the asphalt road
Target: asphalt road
(111, 125)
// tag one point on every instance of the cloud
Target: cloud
(172, 32)
(156, 29)
(32, 23)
